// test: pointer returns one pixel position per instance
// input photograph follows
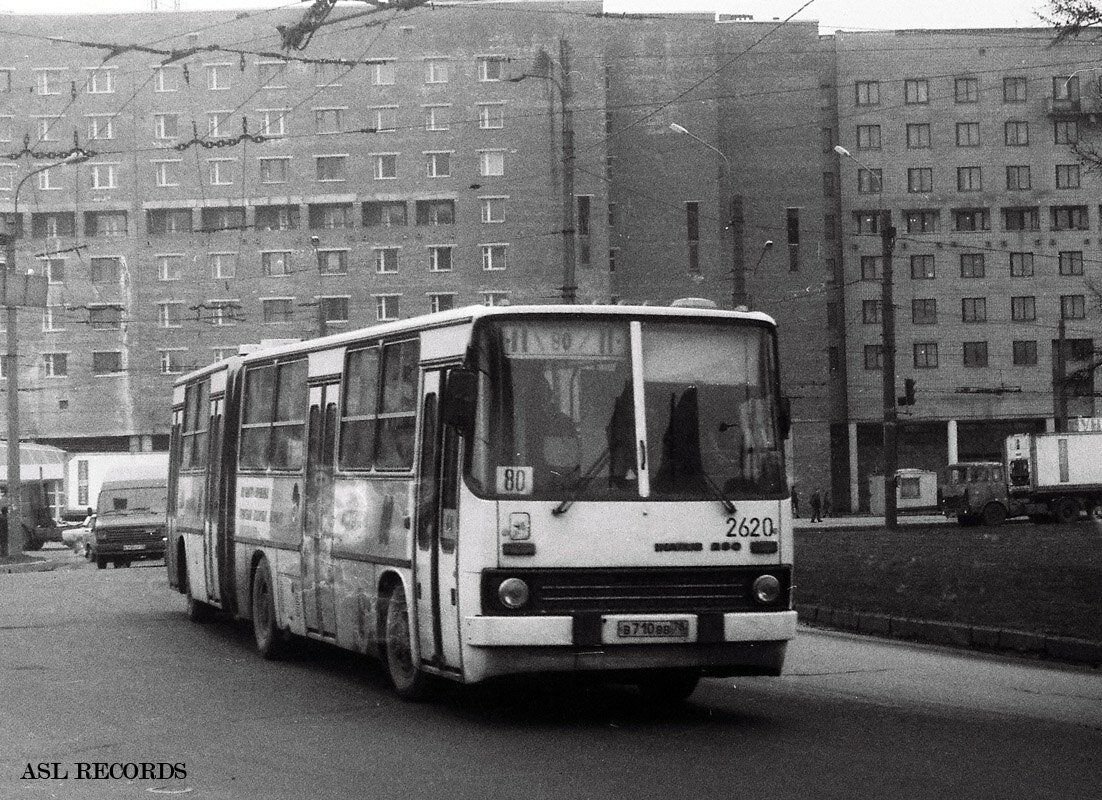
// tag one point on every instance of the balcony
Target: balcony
(1073, 106)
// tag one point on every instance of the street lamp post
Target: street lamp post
(738, 289)
(887, 333)
(11, 304)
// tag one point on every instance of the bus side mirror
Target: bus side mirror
(459, 398)
(784, 416)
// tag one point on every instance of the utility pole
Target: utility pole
(569, 276)
(1060, 380)
(887, 322)
(11, 370)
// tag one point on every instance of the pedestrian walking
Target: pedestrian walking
(4, 532)
(816, 506)
(795, 502)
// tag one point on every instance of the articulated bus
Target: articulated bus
(498, 490)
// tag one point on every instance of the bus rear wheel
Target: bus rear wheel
(272, 642)
(668, 686)
(994, 514)
(409, 682)
(1066, 510)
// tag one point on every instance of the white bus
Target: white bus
(498, 490)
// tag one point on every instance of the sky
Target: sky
(832, 14)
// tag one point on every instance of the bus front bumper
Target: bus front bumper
(587, 630)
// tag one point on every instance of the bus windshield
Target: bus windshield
(558, 401)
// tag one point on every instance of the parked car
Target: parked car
(129, 522)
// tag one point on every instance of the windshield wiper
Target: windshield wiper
(581, 483)
(717, 493)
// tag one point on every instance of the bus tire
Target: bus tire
(101, 562)
(272, 642)
(668, 687)
(1066, 510)
(994, 514)
(409, 682)
(197, 611)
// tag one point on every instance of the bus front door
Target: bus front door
(213, 531)
(437, 548)
(318, 597)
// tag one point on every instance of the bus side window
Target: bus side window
(257, 416)
(398, 407)
(361, 383)
(288, 427)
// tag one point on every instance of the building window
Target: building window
(916, 91)
(275, 263)
(172, 361)
(272, 74)
(166, 126)
(920, 179)
(494, 256)
(437, 118)
(222, 353)
(1067, 176)
(870, 312)
(867, 93)
(168, 220)
(47, 179)
(436, 70)
(968, 134)
(217, 123)
(384, 118)
(328, 120)
(277, 310)
(1017, 178)
(278, 218)
(441, 302)
(99, 127)
(922, 267)
(105, 318)
(1023, 308)
(384, 166)
(494, 298)
(866, 222)
(491, 116)
(868, 137)
(1065, 131)
(333, 309)
(382, 73)
(869, 181)
(1017, 133)
(969, 179)
(922, 221)
(55, 270)
(435, 212)
(386, 259)
(333, 262)
(1014, 90)
(1025, 353)
(924, 311)
(918, 135)
(106, 362)
(55, 365)
(223, 313)
(966, 90)
(1071, 262)
(925, 355)
(874, 356)
(222, 265)
(218, 76)
(170, 315)
(7, 132)
(52, 224)
(1021, 219)
(971, 219)
(386, 307)
(493, 209)
(222, 218)
(973, 309)
(975, 354)
(105, 223)
(274, 170)
(221, 171)
(440, 258)
(166, 173)
(491, 162)
(331, 168)
(1021, 265)
(101, 81)
(166, 79)
(104, 176)
(871, 268)
(49, 81)
(273, 121)
(326, 75)
(438, 165)
(1073, 306)
(384, 213)
(971, 265)
(169, 267)
(1070, 218)
(491, 68)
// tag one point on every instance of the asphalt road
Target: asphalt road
(102, 666)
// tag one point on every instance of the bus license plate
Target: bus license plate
(652, 629)
(133, 547)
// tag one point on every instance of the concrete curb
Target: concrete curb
(35, 565)
(977, 637)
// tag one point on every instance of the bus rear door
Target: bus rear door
(318, 597)
(213, 532)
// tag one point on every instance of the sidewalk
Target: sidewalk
(865, 521)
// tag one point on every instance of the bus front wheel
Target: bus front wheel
(409, 682)
(272, 642)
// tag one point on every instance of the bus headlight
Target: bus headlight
(766, 589)
(513, 592)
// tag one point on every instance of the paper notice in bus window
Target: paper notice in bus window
(514, 480)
